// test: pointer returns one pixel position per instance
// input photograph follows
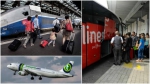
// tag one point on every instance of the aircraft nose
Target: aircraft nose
(8, 66)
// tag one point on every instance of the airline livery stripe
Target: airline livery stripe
(21, 67)
(67, 68)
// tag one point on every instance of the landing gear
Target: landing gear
(32, 78)
(40, 78)
(15, 73)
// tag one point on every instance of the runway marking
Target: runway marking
(129, 65)
(6, 42)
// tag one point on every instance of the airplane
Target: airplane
(24, 70)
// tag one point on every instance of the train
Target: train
(98, 27)
(11, 20)
(76, 23)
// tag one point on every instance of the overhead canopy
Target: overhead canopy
(52, 7)
(129, 11)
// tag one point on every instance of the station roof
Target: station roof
(53, 7)
(129, 11)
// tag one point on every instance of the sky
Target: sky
(102, 2)
(54, 63)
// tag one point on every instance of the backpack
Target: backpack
(57, 27)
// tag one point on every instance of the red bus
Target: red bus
(98, 27)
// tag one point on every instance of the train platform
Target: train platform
(133, 72)
(37, 50)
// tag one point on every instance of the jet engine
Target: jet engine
(22, 73)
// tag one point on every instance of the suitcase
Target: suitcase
(14, 45)
(68, 46)
(131, 53)
(44, 43)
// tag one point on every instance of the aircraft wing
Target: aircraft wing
(32, 72)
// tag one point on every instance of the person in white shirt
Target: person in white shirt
(117, 43)
(56, 21)
(56, 24)
(36, 26)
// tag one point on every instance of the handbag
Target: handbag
(69, 27)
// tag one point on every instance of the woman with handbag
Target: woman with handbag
(68, 29)
(28, 30)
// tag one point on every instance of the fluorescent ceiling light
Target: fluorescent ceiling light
(102, 2)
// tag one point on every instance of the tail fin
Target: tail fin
(67, 68)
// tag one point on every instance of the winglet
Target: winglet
(67, 68)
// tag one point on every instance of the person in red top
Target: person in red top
(28, 29)
(67, 34)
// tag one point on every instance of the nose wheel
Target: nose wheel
(40, 78)
(15, 73)
(32, 78)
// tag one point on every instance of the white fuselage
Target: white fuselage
(36, 71)
(51, 73)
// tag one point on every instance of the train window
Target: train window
(47, 21)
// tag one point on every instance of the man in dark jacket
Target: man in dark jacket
(127, 47)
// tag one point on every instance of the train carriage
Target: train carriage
(11, 20)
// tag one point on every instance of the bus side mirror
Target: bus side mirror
(25, 13)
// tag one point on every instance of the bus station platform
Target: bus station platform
(37, 50)
(133, 72)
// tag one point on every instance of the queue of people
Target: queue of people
(33, 27)
(123, 46)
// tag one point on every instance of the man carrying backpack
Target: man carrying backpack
(56, 24)
(36, 26)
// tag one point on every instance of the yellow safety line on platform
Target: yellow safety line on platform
(128, 65)
(138, 67)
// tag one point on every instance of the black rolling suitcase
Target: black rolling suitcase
(14, 45)
(68, 46)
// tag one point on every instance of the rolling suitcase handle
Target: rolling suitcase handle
(72, 36)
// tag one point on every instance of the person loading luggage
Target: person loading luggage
(36, 26)
(117, 41)
(28, 29)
